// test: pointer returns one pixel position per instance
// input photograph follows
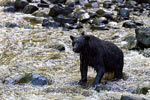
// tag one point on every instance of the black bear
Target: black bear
(103, 56)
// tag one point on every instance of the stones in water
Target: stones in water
(32, 78)
(10, 10)
(129, 24)
(11, 25)
(143, 37)
(29, 9)
(49, 22)
(129, 97)
(38, 79)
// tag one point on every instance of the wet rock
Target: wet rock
(59, 47)
(43, 5)
(100, 21)
(11, 25)
(144, 88)
(130, 43)
(99, 27)
(124, 13)
(143, 37)
(145, 52)
(102, 87)
(38, 79)
(57, 1)
(129, 24)
(32, 78)
(73, 26)
(29, 9)
(50, 23)
(84, 17)
(107, 4)
(45, 2)
(142, 1)
(95, 5)
(62, 19)
(92, 0)
(118, 1)
(108, 15)
(83, 2)
(20, 4)
(128, 97)
(10, 10)
(59, 9)
(100, 12)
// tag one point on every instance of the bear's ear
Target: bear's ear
(87, 37)
(83, 33)
(72, 37)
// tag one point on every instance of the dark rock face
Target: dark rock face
(20, 4)
(29, 9)
(126, 97)
(143, 37)
(59, 9)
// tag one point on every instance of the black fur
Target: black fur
(101, 55)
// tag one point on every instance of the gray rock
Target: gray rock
(50, 23)
(128, 97)
(129, 24)
(62, 19)
(83, 2)
(84, 17)
(124, 13)
(60, 9)
(32, 78)
(29, 9)
(143, 37)
(100, 21)
(107, 4)
(10, 10)
(11, 25)
(20, 4)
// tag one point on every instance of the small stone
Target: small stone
(107, 4)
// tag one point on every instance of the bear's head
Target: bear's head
(79, 43)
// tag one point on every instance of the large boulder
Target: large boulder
(60, 9)
(143, 37)
(20, 4)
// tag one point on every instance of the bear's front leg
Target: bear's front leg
(100, 73)
(83, 70)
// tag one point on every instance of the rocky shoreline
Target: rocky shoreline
(36, 57)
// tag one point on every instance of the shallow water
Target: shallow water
(29, 48)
